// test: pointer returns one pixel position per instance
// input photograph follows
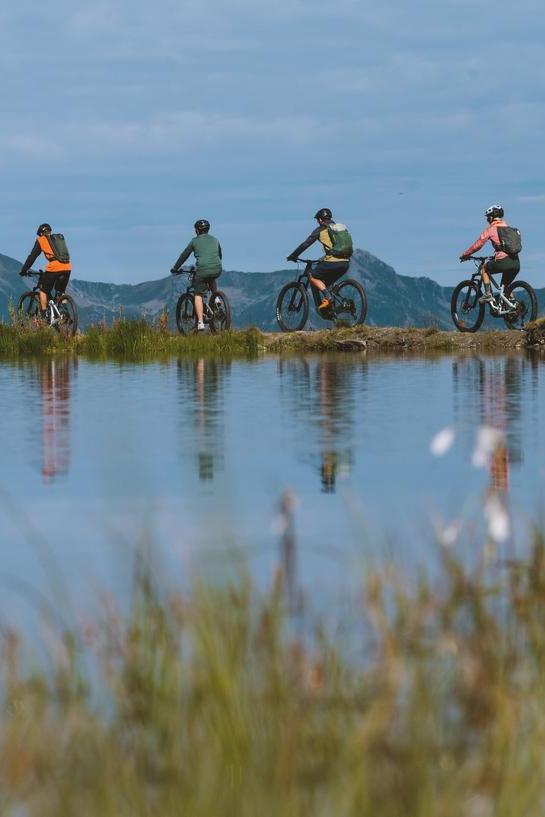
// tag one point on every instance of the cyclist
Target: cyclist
(508, 265)
(334, 264)
(207, 252)
(58, 269)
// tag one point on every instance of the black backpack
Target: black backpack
(59, 247)
(510, 240)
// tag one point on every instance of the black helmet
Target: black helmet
(43, 228)
(494, 211)
(324, 214)
(202, 226)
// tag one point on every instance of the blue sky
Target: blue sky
(123, 122)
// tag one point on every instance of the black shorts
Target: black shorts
(508, 267)
(59, 280)
(329, 271)
(204, 282)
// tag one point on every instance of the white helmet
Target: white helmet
(495, 211)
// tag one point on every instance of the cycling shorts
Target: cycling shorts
(204, 282)
(59, 280)
(508, 267)
(329, 271)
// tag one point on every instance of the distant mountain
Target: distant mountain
(394, 300)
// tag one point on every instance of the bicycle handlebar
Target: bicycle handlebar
(183, 271)
(306, 260)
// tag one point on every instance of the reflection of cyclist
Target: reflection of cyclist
(334, 264)
(508, 265)
(55, 385)
(207, 252)
(57, 272)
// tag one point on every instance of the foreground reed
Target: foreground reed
(129, 339)
(209, 705)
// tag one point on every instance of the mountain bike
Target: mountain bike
(515, 303)
(216, 311)
(61, 313)
(349, 301)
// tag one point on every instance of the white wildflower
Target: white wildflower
(442, 441)
(499, 526)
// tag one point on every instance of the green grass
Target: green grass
(127, 339)
(208, 705)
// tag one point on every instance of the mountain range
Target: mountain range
(394, 300)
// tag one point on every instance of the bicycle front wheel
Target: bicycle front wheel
(292, 307)
(28, 306)
(186, 317)
(526, 305)
(467, 313)
(350, 302)
(220, 319)
(68, 323)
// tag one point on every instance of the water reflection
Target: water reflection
(201, 384)
(322, 396)
(54, 381)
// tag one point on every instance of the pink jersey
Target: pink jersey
(490, 234)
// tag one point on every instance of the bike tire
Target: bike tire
(467, 315)
(358, 312)
(292, 300)
(68, 309)
(186, 317)
(221, 313)
(526, 309)
(28, 306)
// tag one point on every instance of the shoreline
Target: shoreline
(139, 340)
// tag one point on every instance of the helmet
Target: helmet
(494, 211)
(43, 228)
(324, 214)
(202, 226)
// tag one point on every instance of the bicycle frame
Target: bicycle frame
(304, 279)
(496, 305)
(52, 304)
(190, 290)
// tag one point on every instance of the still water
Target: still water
(195, 455)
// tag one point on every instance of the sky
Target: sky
(124, 121)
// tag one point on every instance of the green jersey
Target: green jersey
(207, 252)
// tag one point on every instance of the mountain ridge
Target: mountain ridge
(393, 299)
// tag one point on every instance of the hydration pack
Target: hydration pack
(59, 247)
(510, 240)
(341, 241)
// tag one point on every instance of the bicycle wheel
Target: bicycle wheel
(292, 307)
(351, 306)
(467, 313)
(220, 320)
(186, 317)
(526, 309)
(68, 324)
(28, 306)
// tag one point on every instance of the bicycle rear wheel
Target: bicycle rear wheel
(350, 303)
(220, 319)
(68, 325)
(467, 313)
(28, 307)
(186, 317)
(526, 309)
(292, 307)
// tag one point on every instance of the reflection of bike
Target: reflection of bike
(216, 312)
(349, 303)
(61, 313)
(515, 303)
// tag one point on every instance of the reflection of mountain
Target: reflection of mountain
(396, 300)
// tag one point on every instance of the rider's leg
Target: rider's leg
(47, 282)
(325, 275)
(199, 312)
(487, 297)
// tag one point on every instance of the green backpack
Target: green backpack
(341, 241)
(59, 247)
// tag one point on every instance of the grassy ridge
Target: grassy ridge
(211, 706)
(132, 339)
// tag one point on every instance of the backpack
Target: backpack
(59, 247)
(510, 240)
(341, 241)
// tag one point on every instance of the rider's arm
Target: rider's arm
(184, 256)
(315, 234)
(34, 253)
(480, 242)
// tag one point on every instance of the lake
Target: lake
(195, 456)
